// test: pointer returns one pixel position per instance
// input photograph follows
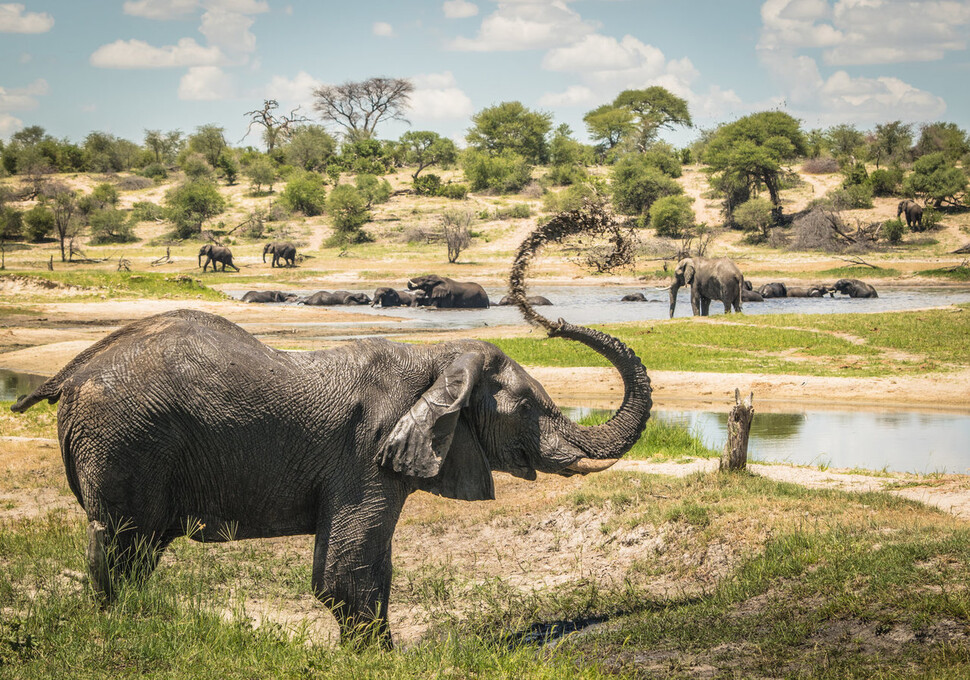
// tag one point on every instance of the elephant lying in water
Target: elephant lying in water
(773, 290)
(269, 296)
(388, 297)
(634, 297)
(534, 300)
(445, 293)
(748, 294)
(815, 291)
(324, 298)
(327, 442)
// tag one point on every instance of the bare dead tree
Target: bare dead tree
(359, 106)
(859, 261)
(275, 128)
(456, 225)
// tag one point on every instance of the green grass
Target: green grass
(662, 441)
(800, 344)
(126, 284)
(951, 273)
(856, 273)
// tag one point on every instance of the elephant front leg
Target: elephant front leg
(352, 572)
(695, 303)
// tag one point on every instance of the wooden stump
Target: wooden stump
(735, 456)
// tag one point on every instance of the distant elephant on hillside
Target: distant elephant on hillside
(269, 296)
(281, 251)
(914, 214)
(534, 300)
(633, 297)
(855, 288)
(388, 297)
(773, 290)
(324, 298)
(216, 254)
(708, 279)
(445, 293)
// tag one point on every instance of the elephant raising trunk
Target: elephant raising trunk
(601, 445)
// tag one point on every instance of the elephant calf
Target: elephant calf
(634, 297)
(388, 297)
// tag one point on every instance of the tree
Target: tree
(310, 147)
(845, 141)
(192, 203)
(891, 141)
(510, 126)
(456, 225)
(166, 146)
(11, 223)
(359, 107)
(756, 216)
(102, 153)
(609, 124)
(275, 129)
(63, 205)
(637, 183)
(229, 166)
(751, 152)
(568, 157)
(261, 172)
(373, 189)
(655, 107)
(936, 179)
(38, 223)
(108, 225)
(502, 173)
(424, 149)
(209, 141)
(943, 137)
(305, 192)
(348, 210)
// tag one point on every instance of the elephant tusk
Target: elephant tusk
(586, 465)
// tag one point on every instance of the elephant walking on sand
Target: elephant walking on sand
(280, 251)
(709, 279)
(913, 212)
(216, 254)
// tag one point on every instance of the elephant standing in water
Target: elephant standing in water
(913, 212)
(445, 293)
(854, 288)
(216, 254)
(282, 443)
(708, 279)
(281, 251)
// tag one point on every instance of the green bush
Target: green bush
(373, 189)
(672, 215)
(348, 210)
(637, 183)
(189, 205)
(755, 215)
(261, 172)
(427, 185)
(38, 223)
(854, 196)
(512, 212)
(195, 166)
(145, 211)
(109, 225)
(885, 182)
(502, 173)
(931, 217)
(566, 175)
(454, 190)
(570, 198)
(893, 230)
(154, 171)
(305, 192)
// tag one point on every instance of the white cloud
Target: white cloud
(437, 96)
(240, 6)
(296, 91)
(574, 95)
(160, 9)
(459, 9)
(13, 19)
(139, 54)
(23, 98)
(206, 83)
(228, 30)
(383, 29)
(525, 25)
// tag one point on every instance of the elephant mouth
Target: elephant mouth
(585, 466)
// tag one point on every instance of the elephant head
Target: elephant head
(204, 251)
(427, 284)
(268, 248)
(683, 276)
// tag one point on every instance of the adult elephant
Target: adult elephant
(534, 300)
(807, 291)
(269, 296)
(854, 288)
(280, 251)
(913, 212)
(324, 298)
(709, 279)
(773, 290)
(445, 293)
(388, 297)
(327, 442)
(634, 297)
(216, 254)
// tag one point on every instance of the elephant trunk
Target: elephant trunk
(264, 255)
(673, 298)
(200, 259)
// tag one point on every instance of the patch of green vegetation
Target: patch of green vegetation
(16, 310)
(38, 421)
(961, 273)
(126, 284)
(856, 273)
(662, 441)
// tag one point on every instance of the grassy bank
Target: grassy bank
(892, 343)
(95, 284)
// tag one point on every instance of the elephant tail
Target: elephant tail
(50, 390)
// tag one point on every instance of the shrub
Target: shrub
(512, 212)
(144, 211)
(261, 173)
(38, 223)
(154, 171)
(570, 198)
(109, 225)
(664, 158)
(931, 217)
(565, 175)
(229, 166)
(885, 182)
(502, 173)
(456, 225)
(427, 185)
(672, 216)
(638, 183)
(820, 166)
(195, 166)
(191, 204)
(305, 192)
(755, 215)
(848, 198)
(893, 230)
(134, 183)
(373, 189)
(348, 210)
(454, 191)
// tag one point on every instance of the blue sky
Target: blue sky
(126, 66)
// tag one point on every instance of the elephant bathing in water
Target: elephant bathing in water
(216, 254)
(708, 279)
(748, 294)
(913, 212)
(323, 298)
(854, 288)
(328, 442)
(445, 293)
(269, 296)
(634, 297)
(773, 290)
(281, 251)
(534, 300)
(388, 297)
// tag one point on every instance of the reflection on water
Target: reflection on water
(14, 385)
(897, 441)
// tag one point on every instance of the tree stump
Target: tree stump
(735, 456)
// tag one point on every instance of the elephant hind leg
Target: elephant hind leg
(117, 553)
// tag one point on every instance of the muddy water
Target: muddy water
(601, 304)
(895, 441)
(14, 385)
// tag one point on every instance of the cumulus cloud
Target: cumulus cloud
(525, 25)
(867, 31)
(574, 95)
(160, 9)
(206, 83)
(22, 98)
(437, 96)
(296, 91)
(228, 30)
(13, 19)
(9, 124)
(139, 54)
(459, 9)
(382, 29)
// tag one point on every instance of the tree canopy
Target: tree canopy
(359, 106)
(512, 127)
(637, 116)
(424, 149)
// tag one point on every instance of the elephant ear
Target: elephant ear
(689, 272)
(432, 444)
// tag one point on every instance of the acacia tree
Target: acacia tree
(358, 107)
(510, 126)
(275, 129)
(424, 149)
(209, 141)
(752, 151)
(637, 115)
(63, 204)
(608, 124)
(165, 146)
